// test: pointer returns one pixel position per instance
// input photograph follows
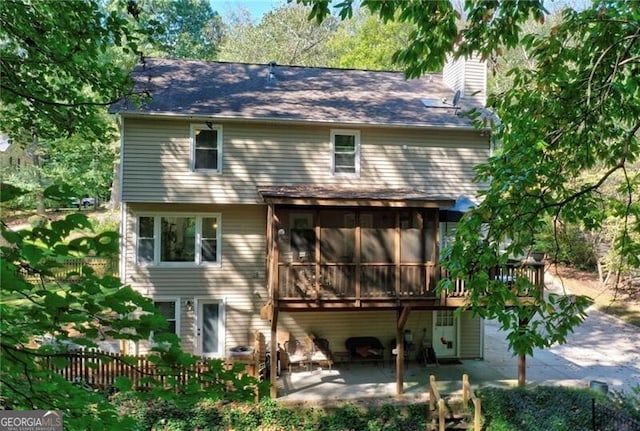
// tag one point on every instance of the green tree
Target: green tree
(78, 311)
(488, 26)
(55, 66)
(365, 42)
(284, 35)
(574, 108)
(188, 29)
(59, 74)
(58, 77)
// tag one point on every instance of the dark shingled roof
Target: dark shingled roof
(351, 194)
(290, 93)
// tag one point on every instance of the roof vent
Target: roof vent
(271, 77)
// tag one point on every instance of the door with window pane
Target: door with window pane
(210, 329)
(445, 333)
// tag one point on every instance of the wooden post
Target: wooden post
(477, 414)
(403, 315)
(396, 257)
(273, 366)
(465, 389)
(441, 414)
(432, 393)
(399, 360)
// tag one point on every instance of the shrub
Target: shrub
(541, 408)
(629, 402)
(37, 221)
(567, 244)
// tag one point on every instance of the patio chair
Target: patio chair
(321, 353)
(298, 353)
(408, 350)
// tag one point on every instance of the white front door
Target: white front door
(210, 328)
(445, 334)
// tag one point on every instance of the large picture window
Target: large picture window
(345, 149)
(206, 147)
(178, 239)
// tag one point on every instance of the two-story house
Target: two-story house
(295, 200)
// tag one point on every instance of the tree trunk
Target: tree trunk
(522, 357)
(522, 370)
(35, 160)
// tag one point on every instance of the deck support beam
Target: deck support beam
(273, 366)
(403, 315)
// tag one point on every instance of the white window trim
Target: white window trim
(192, 155)
(157, 227)
(177, 303)
(356, 134)
(222, 325)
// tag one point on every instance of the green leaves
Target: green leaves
(43, 314)
(566, 146)
(9, 192)
(53, 64)
(489, 26)
(568, 133)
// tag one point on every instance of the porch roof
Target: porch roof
(353, 196)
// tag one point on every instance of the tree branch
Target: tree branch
(33, 98)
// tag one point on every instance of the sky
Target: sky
(256, 7)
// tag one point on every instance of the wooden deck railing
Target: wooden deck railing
(348, 280)
(469, 395)
(367, 281)
(436, 400)
(438, 405)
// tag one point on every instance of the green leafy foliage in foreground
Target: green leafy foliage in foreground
(269, 415)
(542, 408)
(566, 136)
(84, 308)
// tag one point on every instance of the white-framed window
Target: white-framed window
(169, 308)
(345, 152)
(206, 147)
(178, 239)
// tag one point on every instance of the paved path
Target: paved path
(603, 348)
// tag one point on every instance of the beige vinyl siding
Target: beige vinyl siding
(470, 77)
(470, 336)
(475, 83)
(156, 161)
(337, 326)
(239, 280)
(453, 75)
(434, 164)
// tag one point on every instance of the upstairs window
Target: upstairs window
(206, 147)
(174, 239)
(345, 149)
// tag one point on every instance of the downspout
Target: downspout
(122, 260)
